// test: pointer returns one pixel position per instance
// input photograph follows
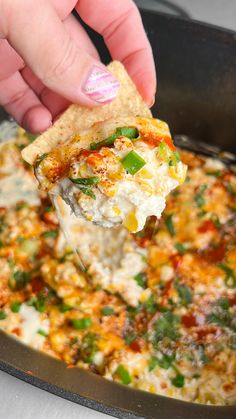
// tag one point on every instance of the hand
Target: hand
(47, 59)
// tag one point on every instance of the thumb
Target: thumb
(48, 50)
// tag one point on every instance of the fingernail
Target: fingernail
(101, 86)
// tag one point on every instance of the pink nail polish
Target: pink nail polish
(101, 86)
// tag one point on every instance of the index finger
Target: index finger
(121, 26)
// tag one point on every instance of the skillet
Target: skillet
(197, 96)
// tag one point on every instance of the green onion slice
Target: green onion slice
(40, 159)
(128, 132)
(133, 162)
(89, 181)
(81, 323)
(123, 374)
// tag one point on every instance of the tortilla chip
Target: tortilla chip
(77, 118)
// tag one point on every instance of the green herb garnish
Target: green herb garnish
(170, 225)
(19, 280)
(184, 293)
(40, 159)
(50, 234)
(65, 307)
(215, 173)
(107, 311)
(166, 327)
(42, 332)
(129, 132)
(178, 380)
(230, 278)
(150, 305)
(180, 248)
(224, 303)
(133, 162)
(89, 181)
(123, 374)
(81, 323)
(15, 306)
(175, 158)
(141, 279)
(3, 315)
(199, 198)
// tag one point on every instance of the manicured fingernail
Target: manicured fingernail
(101, 86)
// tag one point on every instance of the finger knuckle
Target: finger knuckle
(60, 67)
(17, 97)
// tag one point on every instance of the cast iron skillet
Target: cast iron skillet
(197, 96)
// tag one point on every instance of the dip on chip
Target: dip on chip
(116, 170)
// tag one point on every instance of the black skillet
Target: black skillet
(197, 96)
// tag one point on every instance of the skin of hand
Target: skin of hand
(48, 60)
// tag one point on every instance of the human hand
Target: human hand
(47, 58)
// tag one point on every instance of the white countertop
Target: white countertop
(19, 400)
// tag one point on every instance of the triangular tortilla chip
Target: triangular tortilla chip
(77, 118)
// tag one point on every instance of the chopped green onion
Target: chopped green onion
(215, 173)
(129, 338)
(215, 219)
(104, 143)
(15, 306)
(152, 363)
(81, 323)
(175, 158)
(107, 311)
(40, 159)
(233, 342)
(48, 209)
(73, 341)
(164, 152)
(230, 188)
(223, 303)
(50, 233)
(217, 319)
(178, 380)
(123, 374)
(89, 181)
(3, 315)
(128, 132)
(133, 162)
(42, 332)
(88, 192)
(185, 294)
(170, 225)
(141, 279)
(150, 305)
(180, 248)
(230, 278)
(65, 307)
(19, 280)
(199, 198)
